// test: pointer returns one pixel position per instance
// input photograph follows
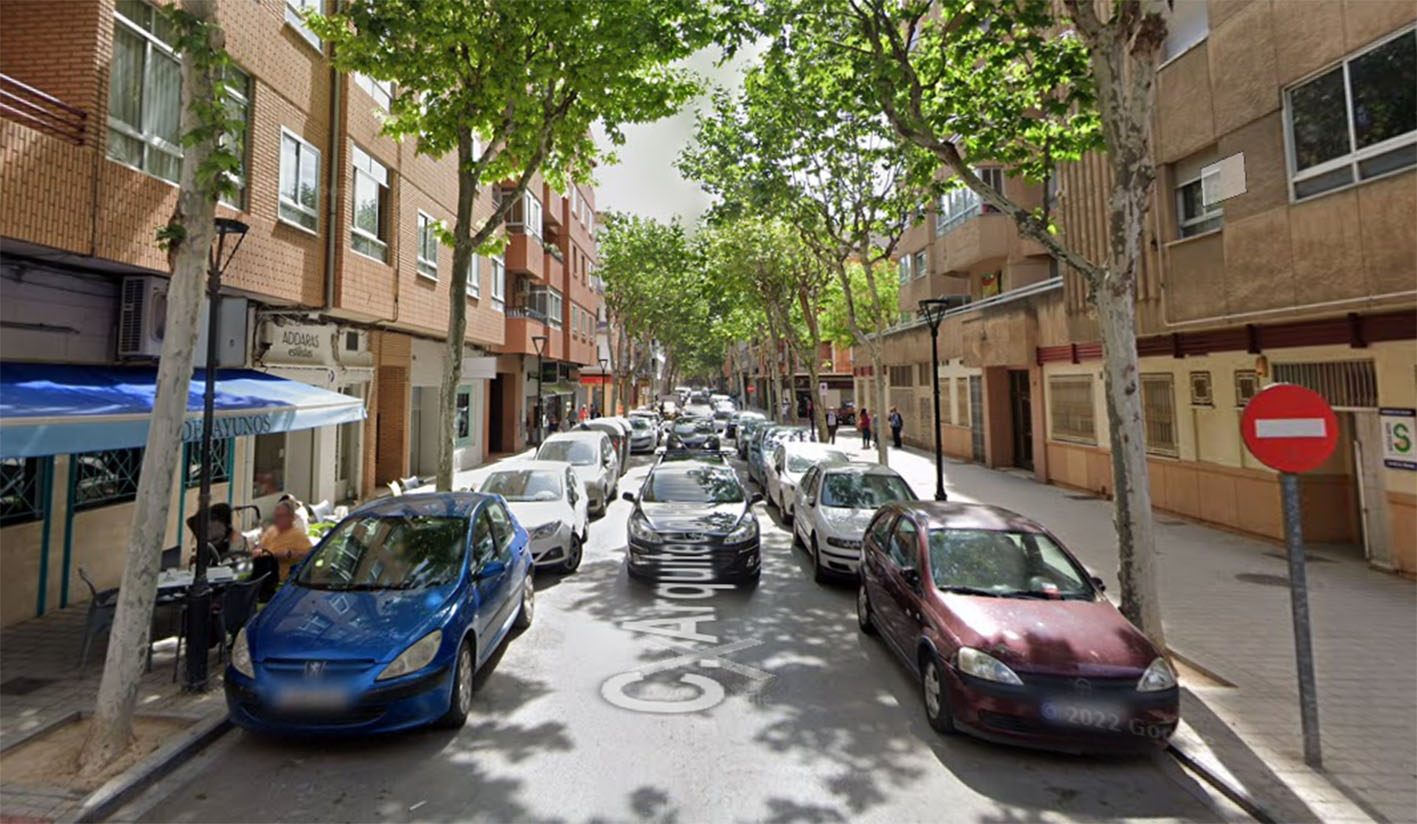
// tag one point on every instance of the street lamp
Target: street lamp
(539, 341)
(934, 311)
(604, 388)
(199, 593)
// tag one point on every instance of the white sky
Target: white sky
(645, 181)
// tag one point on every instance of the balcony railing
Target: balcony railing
(42, 112)
(526, 312)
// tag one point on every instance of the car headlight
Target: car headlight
(545, 530)
(983, 665)
(418, 655)
(746, 530)
(241, 655)
(640, 529)
(844, 543)
(1158, 676)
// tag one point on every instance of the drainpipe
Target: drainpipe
(332, 202)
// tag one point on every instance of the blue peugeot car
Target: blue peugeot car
(385, 624)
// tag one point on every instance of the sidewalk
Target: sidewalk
(1226, 609)
(44, 685)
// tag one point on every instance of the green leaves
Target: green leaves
(199, 41)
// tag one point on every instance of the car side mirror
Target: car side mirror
(491, 569)
(912, 577)
(629, 496)
(1099, 583)
(757, 498)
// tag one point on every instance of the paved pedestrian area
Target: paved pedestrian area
(1226, 610)
(43, 684)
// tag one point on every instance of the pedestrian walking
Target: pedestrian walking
(897, 423)
(832, 424)
(863, 422)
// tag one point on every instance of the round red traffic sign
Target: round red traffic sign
(1289, 428)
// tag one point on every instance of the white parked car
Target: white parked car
(835, 503)
(790, 460)
(594, 460)
(550, 501)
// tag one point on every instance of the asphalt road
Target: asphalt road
(815, 723)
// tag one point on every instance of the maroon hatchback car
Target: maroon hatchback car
(1012, 639)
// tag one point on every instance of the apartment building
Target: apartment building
(334, 306)
(1282, 248)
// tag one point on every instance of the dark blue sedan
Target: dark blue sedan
(386, 622)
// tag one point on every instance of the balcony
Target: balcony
(554, 207)
(522, 326)
(525, 255)
(33, 108)
(554, 271)
(977, 243)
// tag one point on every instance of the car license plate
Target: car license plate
(313, 699)
(1090, 714)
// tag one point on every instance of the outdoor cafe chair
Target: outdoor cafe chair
(103, 606)
(236, 606)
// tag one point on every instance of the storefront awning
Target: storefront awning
(59, 409)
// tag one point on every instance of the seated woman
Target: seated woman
(284, 539)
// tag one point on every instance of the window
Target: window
(905, 268)
(474, 276)
(221, 462)
(922, 371)
(369, 231)
(1193, 217)
(145, 92)
(499, 282)
(299, 182)
(919, 266)
(1247, 385)
(1158, 412)
(268, 465)
(104, 478)
(904, 544)
(464, 415)
(901, 375)
(1070, 408)
(1186, 26)
(1200, 389)
(1356, 121)
(22, 486)
(526, 216)
(962, 401)
(961, 203)
(294, 12)
(547, 301)
(381, 90)
(427, 246)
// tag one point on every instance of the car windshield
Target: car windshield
(862, 490)
(639, 423)
(393, 552)
(693, 485)
(685, 427)
(1004, 563)
(525, 485)
(577, 453)
(798, 462)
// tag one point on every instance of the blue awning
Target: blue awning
(60, 409)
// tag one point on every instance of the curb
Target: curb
(1222, 784)
(106, 800)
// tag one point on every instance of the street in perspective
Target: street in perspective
(708, 411)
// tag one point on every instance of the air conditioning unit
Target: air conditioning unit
(142, 320)
(142, 314)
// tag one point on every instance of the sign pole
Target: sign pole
(1299, 608)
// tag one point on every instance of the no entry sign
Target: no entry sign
(1289, 428)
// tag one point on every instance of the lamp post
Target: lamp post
(199, 593)
(539, 341)
(604, 386)
(934, 311)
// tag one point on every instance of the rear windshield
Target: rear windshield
(525, 485)
(797, 462)
(579, 453)
(696, 485)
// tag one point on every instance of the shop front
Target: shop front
(470, 429)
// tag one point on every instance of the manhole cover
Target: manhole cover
(24, 685)
(1319, 559)
(1263, 579)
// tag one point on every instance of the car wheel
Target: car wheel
(528, 608)
(937, 703)
(460, 700)
(864, 619)
(819, 574)
(573, 555)
(751, 582)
